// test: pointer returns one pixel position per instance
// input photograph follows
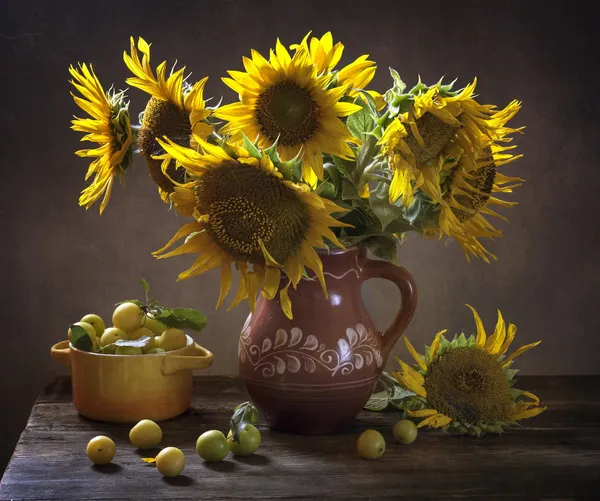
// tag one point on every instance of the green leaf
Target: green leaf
(378, 402)
(333, 175)
(422, 211)
(388, 393)
(135, 343)
(361, 123)
(250, 147)
(145, 286)
(349, 191)
(358, 218)
(181, 318)
(399, 104)
(398, 83)
(383, 248)
(272, 152)
(369, 99)
(346, 167)
(399, 226)
(382, 208)
(243, 415)
(80, 339)
(326, 190)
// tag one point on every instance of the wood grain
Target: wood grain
(554, 456)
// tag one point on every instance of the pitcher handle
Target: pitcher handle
(372, 268)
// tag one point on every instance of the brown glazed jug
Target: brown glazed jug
(313, 374)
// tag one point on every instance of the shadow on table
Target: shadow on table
(221, 466)
(107, 468)
(179, 480)
(254, 459)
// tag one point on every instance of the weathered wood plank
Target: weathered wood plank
(555, 456)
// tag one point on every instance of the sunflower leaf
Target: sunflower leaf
(326, 190)
(378, 401)
(358, 218)
(399, 85)
(349, 191)
(346, 167)
(333, 176)
(369, 99)
(361, 123)
(380, 204)
(272, 152)
(384, 248)
(250, 147)
(388, 393)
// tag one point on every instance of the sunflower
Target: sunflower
(245, 215)
(437, 120)
(466, 385)
(175, 109)
(325, 56)
(109, 126)
(285, 101)
(463, 190)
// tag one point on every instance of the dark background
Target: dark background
(60, 262)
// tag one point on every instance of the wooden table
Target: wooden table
(554, 456)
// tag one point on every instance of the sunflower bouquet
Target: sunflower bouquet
(309, 157)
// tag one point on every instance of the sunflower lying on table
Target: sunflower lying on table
(465, 385)
(308, 157)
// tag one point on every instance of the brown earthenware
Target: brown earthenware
(314, 373)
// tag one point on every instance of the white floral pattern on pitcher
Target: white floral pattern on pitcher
(293, 352)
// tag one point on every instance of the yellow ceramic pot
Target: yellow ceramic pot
(128, 388)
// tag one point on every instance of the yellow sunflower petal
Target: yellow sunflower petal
(510, 336)
(527, 413)
(421, 413)
(530, 395)
(436, 344)
(410, 372)
(268, 258)
(184, 231)
(410, 384)
(286, 304)
(481, 335)
(436, 421)
(242, 291)
(184, 200)
(253, 286)
(418, 357)
(518, 352)
(226, 279)
(495, 341)
(271, 285)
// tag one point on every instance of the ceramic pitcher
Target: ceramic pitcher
(314, 373)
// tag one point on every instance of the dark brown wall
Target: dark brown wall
(60, 262)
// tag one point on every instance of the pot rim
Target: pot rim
(190, 342)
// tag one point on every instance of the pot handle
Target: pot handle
(372, 268)
(62, 353)
(201, 359)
